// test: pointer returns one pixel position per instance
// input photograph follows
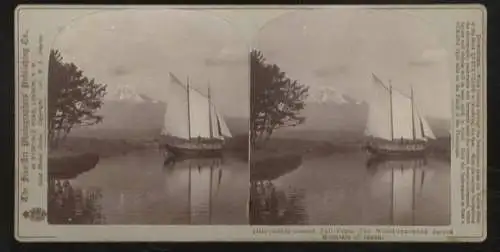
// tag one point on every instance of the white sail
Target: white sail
(215, 127)
(419, 129)
(424, 127)
(199, 119)
(199, 115)
(402, 116)
(378, 124)
(222, 126)
(176, 121)
(405, 123)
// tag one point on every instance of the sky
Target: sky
(321, 48)
(342, 49)
(140, 48)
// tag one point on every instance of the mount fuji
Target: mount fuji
(326, 94)
(328, 110)
(130, 114)
(126, 113)
(128, 94)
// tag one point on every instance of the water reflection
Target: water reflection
(407, 180)
(267, 203)
(200, 186)
(142, 188)
(68, 204)
(350, 189)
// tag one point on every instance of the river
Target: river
(341, 189)
(352, 189)
(138, 188)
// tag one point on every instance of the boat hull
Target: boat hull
(396, 149)
(192, 148)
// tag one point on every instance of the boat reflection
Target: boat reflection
(404, 179)
(69, 204)
(269, 206)
(194, 183)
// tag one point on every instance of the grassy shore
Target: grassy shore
(277, 147)
(102, 147)
(440, 148)
(108, 147)
(79, 154)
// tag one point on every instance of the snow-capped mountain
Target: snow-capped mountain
(327, 109)
(330, 95)
(124, 109)
(128, 114)
(127, 93)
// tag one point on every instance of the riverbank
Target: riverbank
(440, 148)
(76, 155)
(102, 147)
(305, 148)
(281, 147)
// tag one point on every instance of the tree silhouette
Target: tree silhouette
(73, 99)
(276, 100)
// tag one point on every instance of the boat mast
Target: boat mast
(392, 120)
(188, 109)
(210, 112)
(412, 115)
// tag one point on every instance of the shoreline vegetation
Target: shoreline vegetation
(280, 155)
(286, 147)
(78, 154)
(105, 148)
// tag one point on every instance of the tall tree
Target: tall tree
(73, 99)
(276, 99)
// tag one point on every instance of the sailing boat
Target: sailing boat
(394, 124)
(192, 125)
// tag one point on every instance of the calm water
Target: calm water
(139, 188)
(351, 189)
(342, 189)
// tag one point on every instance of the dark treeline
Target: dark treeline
(276, 100)
(73, 99)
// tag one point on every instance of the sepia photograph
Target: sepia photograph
(232, 123)
(148, 120)
(350, 119)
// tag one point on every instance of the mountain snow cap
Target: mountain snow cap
(129, 94)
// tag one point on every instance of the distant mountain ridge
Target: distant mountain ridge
(327, 109)
(329, 112)
(328, 94)
(126, 112)
(128, 93)
(440, 126)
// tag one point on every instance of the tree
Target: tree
(276, 99)
(73, 99)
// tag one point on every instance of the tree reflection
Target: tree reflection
(70, 205)
(268, 204)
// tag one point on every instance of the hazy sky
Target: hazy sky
(321, 48)
(342, 49)
(140, 48)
